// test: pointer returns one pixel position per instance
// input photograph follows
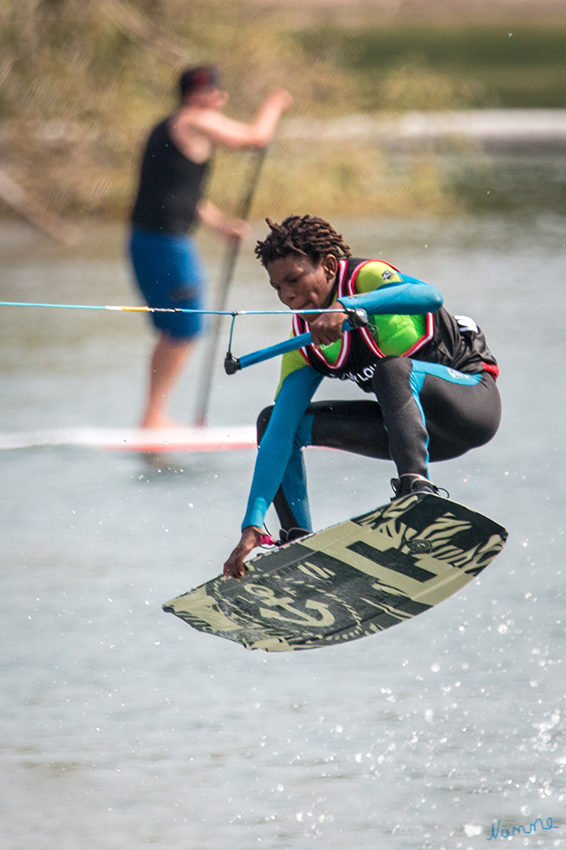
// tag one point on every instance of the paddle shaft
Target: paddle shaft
(203, 395)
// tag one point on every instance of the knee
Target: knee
(389, 371)
(263, 422)
(393, 365)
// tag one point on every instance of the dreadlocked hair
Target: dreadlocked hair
(307, 235)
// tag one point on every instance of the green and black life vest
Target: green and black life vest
(437, 337)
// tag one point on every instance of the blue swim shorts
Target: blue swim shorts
(169, 273)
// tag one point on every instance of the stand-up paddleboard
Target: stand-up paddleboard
(206, 439)
(354, 579)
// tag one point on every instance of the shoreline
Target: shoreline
(501, 130)
(497, 129)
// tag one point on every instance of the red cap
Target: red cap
(198, 78)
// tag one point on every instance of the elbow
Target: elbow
(260, 140)
(237, 142)
(250, 143)
(436, 300)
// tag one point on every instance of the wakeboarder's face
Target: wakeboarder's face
(302, 284)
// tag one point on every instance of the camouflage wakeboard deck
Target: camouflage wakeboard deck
(350, 580)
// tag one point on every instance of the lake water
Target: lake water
(124, 728)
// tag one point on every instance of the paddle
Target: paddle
(203, 395)
(357, 318)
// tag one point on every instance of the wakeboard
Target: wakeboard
(348, 581)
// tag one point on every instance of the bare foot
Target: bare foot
(161, 421)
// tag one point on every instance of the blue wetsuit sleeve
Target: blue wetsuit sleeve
(409, 297)
(276, 446)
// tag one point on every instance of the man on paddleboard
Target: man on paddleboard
(431, 374)
(170, 203)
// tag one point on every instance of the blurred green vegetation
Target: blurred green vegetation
(508, 67)
(82, 82)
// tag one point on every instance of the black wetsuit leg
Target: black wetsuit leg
(432, 412)
(415, 420)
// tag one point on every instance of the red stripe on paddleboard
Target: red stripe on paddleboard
(210, 439)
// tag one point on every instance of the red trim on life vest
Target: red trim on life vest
(347, 287)
(342, 357)
(344, 346)
(426, 337)
(300, 326)
(297, 331)
(492, 369)
(351, 291)
(369, 340)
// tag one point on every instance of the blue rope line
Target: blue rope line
(144, 309)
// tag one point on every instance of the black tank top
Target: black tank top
(170, 187)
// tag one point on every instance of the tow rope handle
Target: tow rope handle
(357, 318)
